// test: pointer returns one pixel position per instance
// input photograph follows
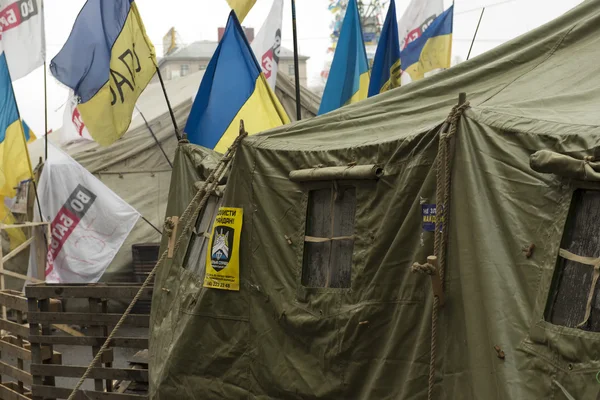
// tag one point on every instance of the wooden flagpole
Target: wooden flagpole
(296, 66)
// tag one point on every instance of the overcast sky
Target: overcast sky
(199, 19)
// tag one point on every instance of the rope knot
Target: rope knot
(426, 268)
(169, 226)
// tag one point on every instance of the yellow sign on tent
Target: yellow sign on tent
(223, 259)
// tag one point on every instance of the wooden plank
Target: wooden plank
(76, 318)
(23, 225)
(70, 371)
(68, 329)
(86, 291)
(20, 363)
(17, 250)
(572, 281)
(7, 393)
(93, 330)
(14, 350)
(36, 349)
(14, 372)
(14, 328)
(171, 245)
(42, 391)
(19, 276)
(13, 301)
(129, 342)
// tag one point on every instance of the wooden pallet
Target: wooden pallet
(100, 324)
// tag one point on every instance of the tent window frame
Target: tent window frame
(198, 243)
(567, 303)
(336, 246)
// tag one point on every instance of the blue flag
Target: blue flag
(386, 71)
(348, 80)
(233, 88)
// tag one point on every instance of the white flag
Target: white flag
(89, 222)
(22, 23)
(267, 43)
(73, 128)
(416, 19)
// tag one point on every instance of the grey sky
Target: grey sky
(199, 20)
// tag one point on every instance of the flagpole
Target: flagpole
(154, 136)
(12, 88)
(296, 66)
(162, 84)
(45, 91)
(475, 35)
(45, 115)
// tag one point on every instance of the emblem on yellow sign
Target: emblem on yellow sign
(222, 261)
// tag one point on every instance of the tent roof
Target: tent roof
(544, 82)
(181, 92)
(204, 49)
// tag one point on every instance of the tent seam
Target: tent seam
(550, 54)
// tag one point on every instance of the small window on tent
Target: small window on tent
(573, 299)
(195, 258)
(329, 237)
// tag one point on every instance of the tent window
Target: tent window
(329, 239)
(195, 258)
(573, 300)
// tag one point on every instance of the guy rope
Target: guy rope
(188, 217)
(442, 193)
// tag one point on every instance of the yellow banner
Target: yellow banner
(107, 115)
(223, 259)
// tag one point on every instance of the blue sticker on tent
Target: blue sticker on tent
(429, 211)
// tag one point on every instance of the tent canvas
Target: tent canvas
(282, 337)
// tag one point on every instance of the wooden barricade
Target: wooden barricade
(100, 324)
(15, 347)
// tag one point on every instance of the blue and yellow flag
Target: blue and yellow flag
(14, 158)
(431, 51)
(233, 88)
(241, 7)
(107, 61)
(386, 72)
(348, 80)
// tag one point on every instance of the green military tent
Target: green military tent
(338, 213)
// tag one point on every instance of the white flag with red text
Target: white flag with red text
(416, 19)
(22, 24)
(89, 222)
(267, 43)
(73, 128)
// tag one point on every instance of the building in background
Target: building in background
(181, 60)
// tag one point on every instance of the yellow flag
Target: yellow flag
(241, 7)
(108, 78)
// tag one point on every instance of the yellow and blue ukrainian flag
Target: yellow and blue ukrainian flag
(241, 7)
(348, 80)
(14, 158)
(432, 50)
(233, 88)
(386, 72)
(107, 61)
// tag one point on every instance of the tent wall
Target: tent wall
(277, 338)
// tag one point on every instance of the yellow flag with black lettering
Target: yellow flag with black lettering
(108, 61)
